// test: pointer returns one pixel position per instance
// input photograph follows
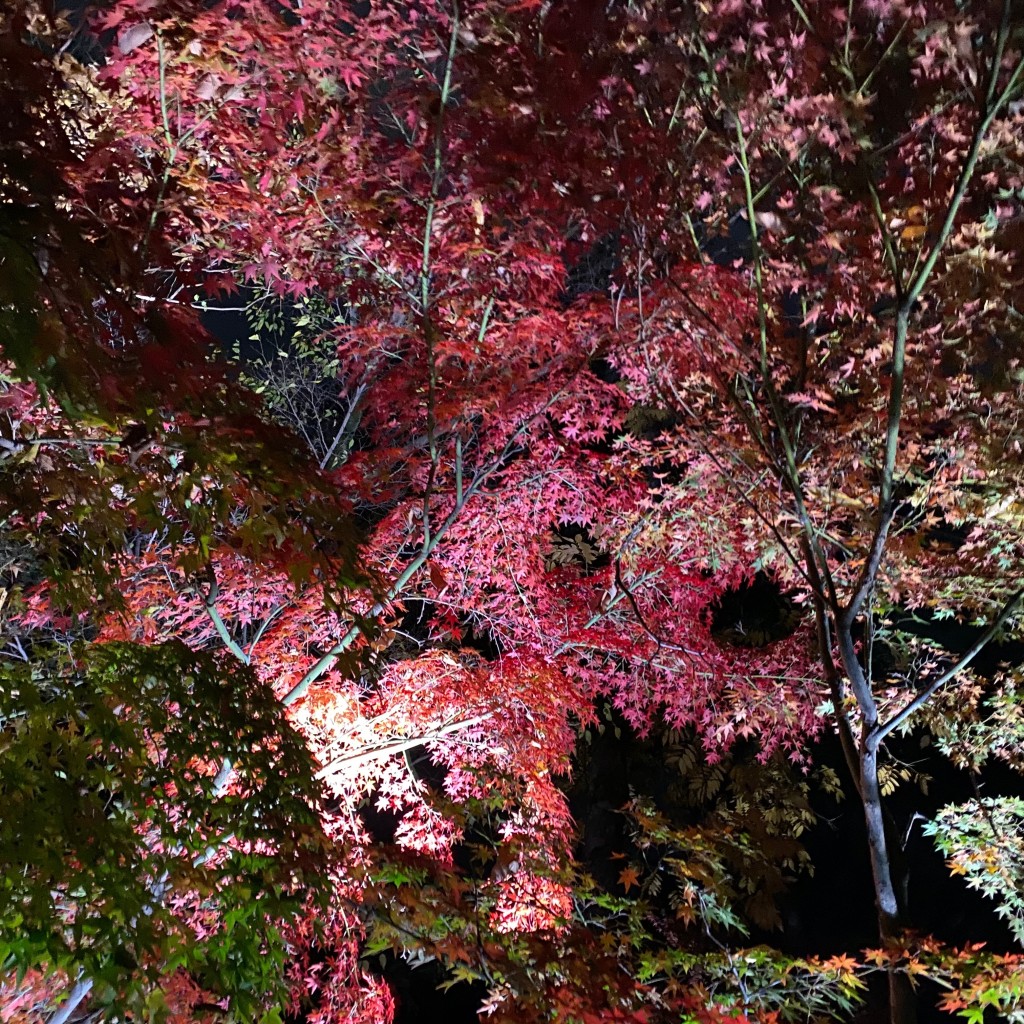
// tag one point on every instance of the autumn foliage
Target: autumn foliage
(570, 322)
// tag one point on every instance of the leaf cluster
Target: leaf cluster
(983, 841)
(122, 862)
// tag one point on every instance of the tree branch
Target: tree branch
(324, 663)
(924, 696)
(81, 989)
(914, 289)
(398, 746)
(210, 606)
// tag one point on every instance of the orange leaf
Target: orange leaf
(628, 877)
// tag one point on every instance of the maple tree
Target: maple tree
(526, 487)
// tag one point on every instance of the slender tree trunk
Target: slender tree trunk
(878, 844)
(902, 999)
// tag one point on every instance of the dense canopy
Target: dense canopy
(399, 401)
